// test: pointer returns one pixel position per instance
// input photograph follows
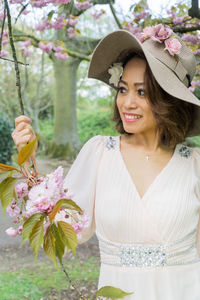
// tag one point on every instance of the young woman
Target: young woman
(142, 189)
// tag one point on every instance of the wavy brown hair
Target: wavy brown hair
(174, 117)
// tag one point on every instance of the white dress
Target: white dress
(149, 245)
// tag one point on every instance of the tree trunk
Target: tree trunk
(66, 142)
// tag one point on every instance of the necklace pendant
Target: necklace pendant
(147, 157)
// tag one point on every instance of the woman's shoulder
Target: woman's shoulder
(102, 141)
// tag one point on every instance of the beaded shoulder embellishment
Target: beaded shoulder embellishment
(185, 151)
(110, 143)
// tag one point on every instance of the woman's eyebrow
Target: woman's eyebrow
(135, 83)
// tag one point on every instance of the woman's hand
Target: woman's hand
(23, 133)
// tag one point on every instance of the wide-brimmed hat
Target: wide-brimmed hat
(173, 71)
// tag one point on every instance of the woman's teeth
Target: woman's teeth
(132, 117)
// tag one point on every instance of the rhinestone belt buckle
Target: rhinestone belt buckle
(142, 256)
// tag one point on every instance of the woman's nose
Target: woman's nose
(131, 100)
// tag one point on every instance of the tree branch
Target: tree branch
(18, 84)
(19, 62)
(2, 28)
(184, 30)
(20, 37)
(114, 15)
(21, 11)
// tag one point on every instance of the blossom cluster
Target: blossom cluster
(25, 47)
(5, 41)
(59, 51)
(133, 28)
(42, 198)
(83, 5)
(80, 4)
(160, 34)
(59, 23)
(97, 14)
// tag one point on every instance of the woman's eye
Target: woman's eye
(121, 89)
(141, 92)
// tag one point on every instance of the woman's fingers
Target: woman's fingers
(23, 132)
(23, 119)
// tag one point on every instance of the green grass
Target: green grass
(35, 283)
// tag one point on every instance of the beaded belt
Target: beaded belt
(180, 252)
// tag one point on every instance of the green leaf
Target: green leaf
(26, 151)
(6, 168)
(64, 203)
(59, 245)
(37, 236)
(50, 15)
(49, 245)
(7, 191)
(70, 204)
(69, 235)
(28, 226)
(111, 292)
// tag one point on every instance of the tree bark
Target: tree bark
(194, 10)
(66, 142)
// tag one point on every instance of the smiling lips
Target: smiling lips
(128, 117)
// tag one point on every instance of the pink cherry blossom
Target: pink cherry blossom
(72, 20)
(171, 13)
(173, 46)
(5, 33)
(46, 47)
(195, 83)
(38, 3)
(83, 5)
(61, 56)
(27, 52)
(178, 20)
(25, 12)
(16, 220)
(71, 32)
(22, 189)
(45, 24)
(72, 35)
(5, 42)
(3, 53)
(13, 210)
(58, 49)
(97, 14)
(148, 32)
(141, 15)
(190, 38)
(1, 15)
(58, 25)
(78, 227)
(161, 33)
(11, 231)
(191, 89)
(19, 230)
(58, 2)
(141, 37)
(133, 29)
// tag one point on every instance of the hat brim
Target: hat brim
(108, 51)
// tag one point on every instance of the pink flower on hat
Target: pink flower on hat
(148, 32)
(173, 46)
(160, 33)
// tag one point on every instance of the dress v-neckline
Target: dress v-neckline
(158, 176)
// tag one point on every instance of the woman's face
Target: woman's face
(132, 102)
